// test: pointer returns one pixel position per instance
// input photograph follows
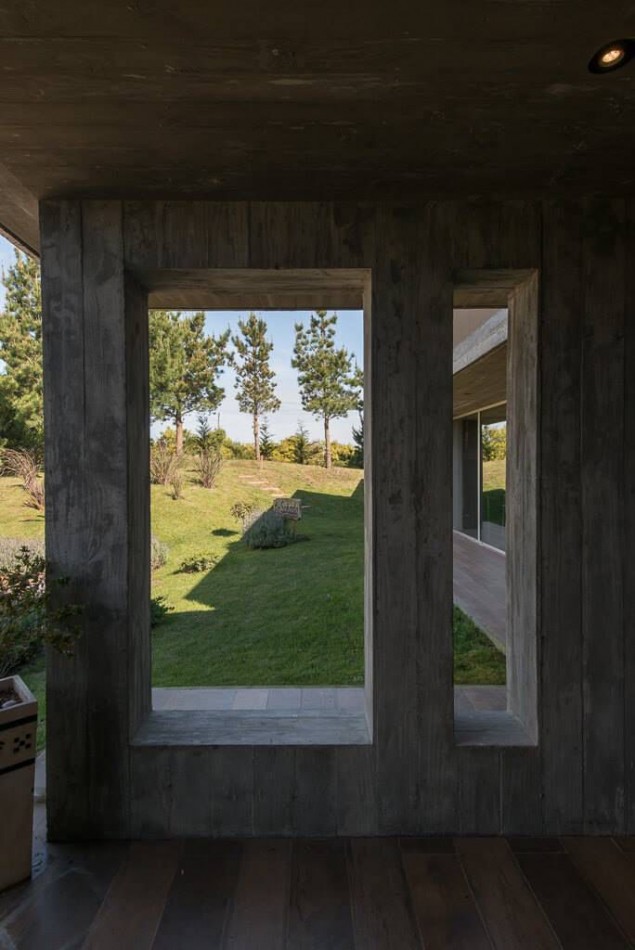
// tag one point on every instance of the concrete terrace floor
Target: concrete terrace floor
(480, 587)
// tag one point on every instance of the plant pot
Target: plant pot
(18, 725)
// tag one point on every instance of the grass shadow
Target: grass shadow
(283, 616)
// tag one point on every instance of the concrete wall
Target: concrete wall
(574, 678)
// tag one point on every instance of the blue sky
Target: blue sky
(280, 324)
(7, 256)
(349, 333)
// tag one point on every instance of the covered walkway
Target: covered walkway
(480, 586)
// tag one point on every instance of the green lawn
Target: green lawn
(292, 615)
(288, 616)
(493, 499)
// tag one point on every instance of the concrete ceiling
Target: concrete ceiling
(314, 99)
(482, 383)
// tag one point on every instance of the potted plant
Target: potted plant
(30, 617)
(18, 725)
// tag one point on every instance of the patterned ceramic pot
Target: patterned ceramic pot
(18, 725)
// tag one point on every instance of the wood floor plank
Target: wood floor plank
(527, 843)
(259, 912)
(513, 917)
(319, 913)
(383, 918)
(57, 909)
(610, 872)
(197, 906)
(577, 915)
(132, 908)
(446, 913)
(625, 842)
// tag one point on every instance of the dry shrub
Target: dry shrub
(25, 465)
(176, 482)
(164, 463)
(208, 464)
(158, 553)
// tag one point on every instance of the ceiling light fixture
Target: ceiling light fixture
(612, 56)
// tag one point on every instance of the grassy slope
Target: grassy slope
(494, 474)
(287, 616)
(494, 491)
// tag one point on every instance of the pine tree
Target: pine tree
(358, 433)
(301, 446)
(358, 441)
(266, 444)
(21, 403)
(254, 377)
(184, 365)
(329, 385)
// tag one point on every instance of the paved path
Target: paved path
(255, 482)
(480, 587)
(311, 701)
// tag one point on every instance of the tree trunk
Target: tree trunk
(327, 443)
(257, 437)
(179, 435)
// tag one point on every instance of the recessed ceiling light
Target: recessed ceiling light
(612, 56)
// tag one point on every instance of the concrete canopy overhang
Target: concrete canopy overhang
(285, 101)
(482, 383)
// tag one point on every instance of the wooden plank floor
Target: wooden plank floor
(480, 587)
(326, 894)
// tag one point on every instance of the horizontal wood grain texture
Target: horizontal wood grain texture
(318, 101)
(413, 778)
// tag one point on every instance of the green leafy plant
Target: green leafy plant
(159, 609)
(21, 390)
(30, 615)
(198, 563)
(241, 511)
(10, 548)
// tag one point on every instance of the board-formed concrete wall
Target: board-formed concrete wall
(572, 563)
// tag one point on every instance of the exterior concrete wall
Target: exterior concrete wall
(574, 677)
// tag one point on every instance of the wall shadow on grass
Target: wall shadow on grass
(283, 616)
